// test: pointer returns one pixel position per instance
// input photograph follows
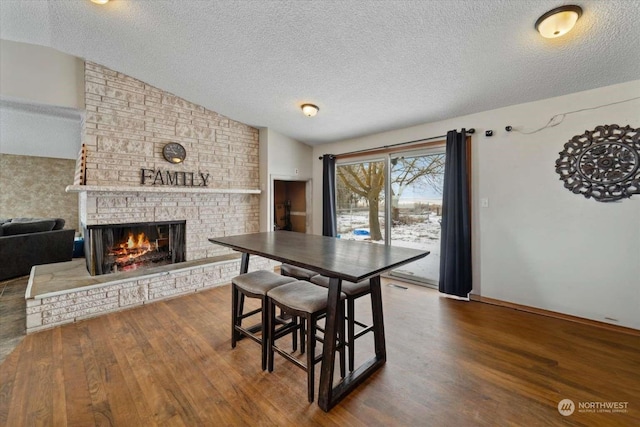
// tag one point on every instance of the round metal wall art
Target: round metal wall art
(603, 163)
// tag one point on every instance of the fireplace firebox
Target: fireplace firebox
(112, 248)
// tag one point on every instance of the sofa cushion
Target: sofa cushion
(28, 219)
(23, 227)
(59, 225)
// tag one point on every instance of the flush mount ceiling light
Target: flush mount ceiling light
(558, 21)
(100, 1)
(309, 110)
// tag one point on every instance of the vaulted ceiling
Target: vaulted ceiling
(369, 65)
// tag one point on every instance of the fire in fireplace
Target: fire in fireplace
(124, 247)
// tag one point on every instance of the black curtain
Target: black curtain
(455, 239)
(329, 227)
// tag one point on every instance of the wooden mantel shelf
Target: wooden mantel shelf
(157, 189)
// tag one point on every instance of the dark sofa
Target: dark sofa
(25, 242)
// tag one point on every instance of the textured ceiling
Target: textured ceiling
(370, 66)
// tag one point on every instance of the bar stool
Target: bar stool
(254, 285)
(352, 291)
(309, 302)
(298, 272)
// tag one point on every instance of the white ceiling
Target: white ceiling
(370, 66)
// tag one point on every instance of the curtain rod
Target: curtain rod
(469, 131)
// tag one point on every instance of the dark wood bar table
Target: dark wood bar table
(339, 260)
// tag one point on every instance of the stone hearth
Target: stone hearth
(66, 292)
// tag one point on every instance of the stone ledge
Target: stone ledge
(82, 302)
(163, 189)
(52, 280)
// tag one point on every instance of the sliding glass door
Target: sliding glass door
(411, 182)
(416, 209)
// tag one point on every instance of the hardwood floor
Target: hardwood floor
(13, 316)
(450, 363)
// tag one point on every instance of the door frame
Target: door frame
(307, 194)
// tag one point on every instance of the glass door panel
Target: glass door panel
(416, 209)
(360, 200)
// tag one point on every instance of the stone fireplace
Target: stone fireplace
(128, 123)
(111, 248)
(126, 126)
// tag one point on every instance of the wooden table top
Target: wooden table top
(346, 259)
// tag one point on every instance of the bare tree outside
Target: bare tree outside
(419, 172)
(365, 182)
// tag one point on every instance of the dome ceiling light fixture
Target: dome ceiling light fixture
(559, 21)
(309, 110)
(100, 1)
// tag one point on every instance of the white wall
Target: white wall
(40, 131)
(537, 244)
(41, 101)
(41, 75)
(280, 158)
(288, 157)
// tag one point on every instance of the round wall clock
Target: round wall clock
(603, 163)
(174, 152)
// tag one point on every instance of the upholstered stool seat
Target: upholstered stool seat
(297, 272)
(350, 289)
(253, 285)
(260, 282)
(309, 302)
(353, 291)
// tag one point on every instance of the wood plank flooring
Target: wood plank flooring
(13, 316)
(450, 363)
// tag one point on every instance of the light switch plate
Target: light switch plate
(484, 202)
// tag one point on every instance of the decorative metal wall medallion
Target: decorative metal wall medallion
(603, 163)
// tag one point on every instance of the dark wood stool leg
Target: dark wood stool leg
(303, 328)
(241, 297)
(311, 351)
(294, 336)
(351, 332)
(265, 329)
(271, 312)
(234, 315)
(343, 344)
